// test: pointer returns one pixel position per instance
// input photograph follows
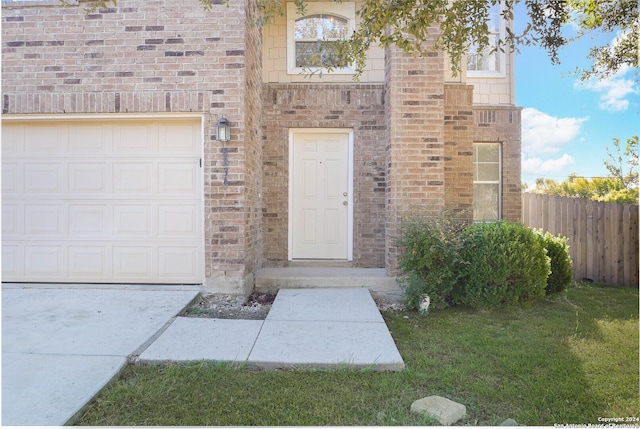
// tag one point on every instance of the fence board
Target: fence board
(632, 252)
(552, 208)
(608, 248)
(603, 237)
(598, 240)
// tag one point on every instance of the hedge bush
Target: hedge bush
(561, 264)
(430, 258)
(480, 265)
(506, 263)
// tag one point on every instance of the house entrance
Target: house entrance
(320, 194)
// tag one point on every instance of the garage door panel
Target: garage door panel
(132, 178)
(13, 139)
(88, 262)
(89, 219)
(91, 138)
(46, 139)
(43, 178)
(132, 220)
(88, 178)
(12, 220)
(176, 262)
(108, 201)
(133, 262)
(136, 138)
(43, 219)
(177, 177)
(178, 220)
(175, 138)
(12, 262)
(44, 262)
(11, 178)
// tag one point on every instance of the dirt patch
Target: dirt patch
(256, 307)
(217, 306)
(388, 305)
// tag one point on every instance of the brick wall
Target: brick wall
(465, 124)
(415, 152)
(502, 124)
(153, 57)
(458, 170)
(357, 106)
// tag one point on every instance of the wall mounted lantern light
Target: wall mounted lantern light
(222, 130)
(223, 135)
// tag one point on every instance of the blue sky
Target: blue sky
(567, 124)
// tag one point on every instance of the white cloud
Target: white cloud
(613, 90)
(542, 167)
(544, 135)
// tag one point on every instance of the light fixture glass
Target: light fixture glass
(222, 130)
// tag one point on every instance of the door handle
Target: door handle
(344, 203)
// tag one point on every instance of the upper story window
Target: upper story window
(323, 22)
(308, 33)
(489, 62)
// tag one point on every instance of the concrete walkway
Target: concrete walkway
(61, 346)
(321, 328)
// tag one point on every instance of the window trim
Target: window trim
(346, 10)
(502, 56)
(499, 182)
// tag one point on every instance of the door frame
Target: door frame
(299, 131)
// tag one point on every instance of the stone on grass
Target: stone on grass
(442, 409)
(509, 422)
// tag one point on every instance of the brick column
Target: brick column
(458, 170)
(415, 149)
(234, 219)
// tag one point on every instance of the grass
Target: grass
(568, 358)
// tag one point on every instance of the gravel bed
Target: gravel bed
(256, 307)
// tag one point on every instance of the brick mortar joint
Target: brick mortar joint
(326, 86)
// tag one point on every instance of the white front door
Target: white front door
(320, 194)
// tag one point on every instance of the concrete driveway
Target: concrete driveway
(62, 344)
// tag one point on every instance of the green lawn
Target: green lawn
(569, 358)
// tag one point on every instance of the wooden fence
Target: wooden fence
(603, 237)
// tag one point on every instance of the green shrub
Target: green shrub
(507, 264)
(430, 258)
(561, 268)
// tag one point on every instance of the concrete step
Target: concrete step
(381, 285)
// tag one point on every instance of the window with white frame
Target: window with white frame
(489, 62)
(323, 22)
(487, 181)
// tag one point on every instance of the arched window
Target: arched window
(324, 22)
(311, 31)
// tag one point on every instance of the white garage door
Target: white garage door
(102, 201)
